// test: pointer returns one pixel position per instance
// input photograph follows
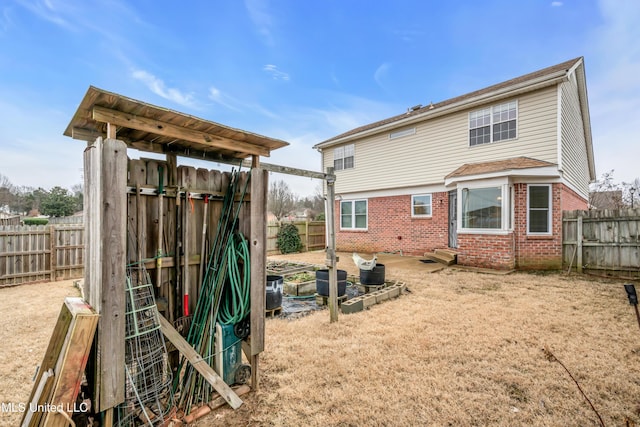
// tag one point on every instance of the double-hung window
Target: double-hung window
(353, 215)
(421, 205)
(343, 157)
(539, 209)
(496, 123)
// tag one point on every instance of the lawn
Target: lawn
(461, 348)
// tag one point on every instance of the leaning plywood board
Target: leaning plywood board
(66, 358)
(200, 364)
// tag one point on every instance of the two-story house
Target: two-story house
(486, 174)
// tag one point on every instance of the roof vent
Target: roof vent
(431, 107)
(416, 107)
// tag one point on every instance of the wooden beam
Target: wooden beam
(111, 281)
(199, 364)
(159, 127)
(331, 249)
(111, 131)
(291, 171)
(258, 249)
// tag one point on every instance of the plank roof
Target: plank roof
(150, 128)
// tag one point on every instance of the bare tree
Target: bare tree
(606, 194)
(6, 192)
(281, 200)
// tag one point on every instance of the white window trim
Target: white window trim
(507, 208)
(343, 149)
(549, 213)
(491, 123)
(413, 196)
(403, 132)
(353, 215)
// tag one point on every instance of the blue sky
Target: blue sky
(301, 71)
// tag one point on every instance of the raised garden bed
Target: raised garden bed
(284, 268)
(301, 283)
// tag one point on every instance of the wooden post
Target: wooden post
(331, 248)
(579, 238)
(53, 255)
(106, 260)
(92, 220)
(258, 243)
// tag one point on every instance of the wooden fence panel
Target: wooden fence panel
(68, 250)
(312, 234)
(40, 253)
(25, 254)
(607, 244)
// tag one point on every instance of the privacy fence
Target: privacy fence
(602, 242)
(312, 234)
(56, 251)
(40, 253)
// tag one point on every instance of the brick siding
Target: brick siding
(391, 228)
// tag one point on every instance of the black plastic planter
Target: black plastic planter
(322, 282)
(373, 277)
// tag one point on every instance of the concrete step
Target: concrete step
(442, 256)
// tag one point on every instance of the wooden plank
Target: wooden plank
(71, 363)
(258, 245)
(159, 127)
(93, 222)
(51, 356)
(111, 330)
(199, 364)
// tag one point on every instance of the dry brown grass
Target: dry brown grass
(461, 349)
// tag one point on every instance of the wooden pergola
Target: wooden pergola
(111, 123)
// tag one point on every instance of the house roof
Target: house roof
(544, 76)
(513, 163)
(151, 128)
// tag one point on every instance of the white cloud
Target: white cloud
(381, 73)
(49, 11)
(275, 73)
(556, 3)
(219, 98)
(158, 87)
(261, 18)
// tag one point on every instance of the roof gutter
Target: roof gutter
(514, 90)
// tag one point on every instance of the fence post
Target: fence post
(579, 243)
(52, 254)
(306, 234)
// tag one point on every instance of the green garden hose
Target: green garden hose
(236, 302)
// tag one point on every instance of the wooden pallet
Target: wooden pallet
(273, 312)
(323, 300)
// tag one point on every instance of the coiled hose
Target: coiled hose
(236, 301)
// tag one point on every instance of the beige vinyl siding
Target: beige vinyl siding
(441, 145)
(574, 149)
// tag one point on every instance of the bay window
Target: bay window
(482, 208)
